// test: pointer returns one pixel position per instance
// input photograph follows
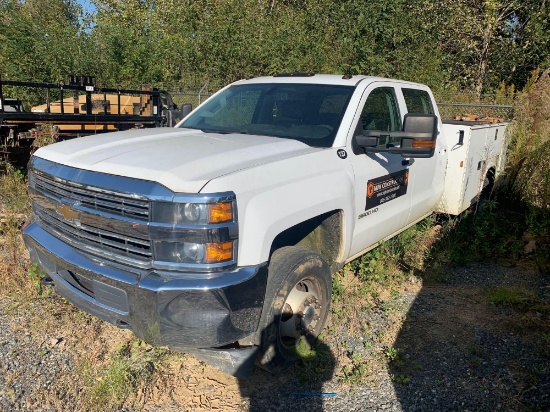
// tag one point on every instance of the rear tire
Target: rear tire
(296, 305)
(486, 191)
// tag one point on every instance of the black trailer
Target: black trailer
(85, 114)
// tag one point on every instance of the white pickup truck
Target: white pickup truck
(219, 237)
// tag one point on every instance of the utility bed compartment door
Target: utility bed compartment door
(473, 149)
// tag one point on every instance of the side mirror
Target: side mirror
(421, 134)
(417, 140)
(186, 108)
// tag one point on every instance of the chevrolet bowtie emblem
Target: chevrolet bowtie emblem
(68, 213)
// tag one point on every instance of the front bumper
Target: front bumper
(184, 313)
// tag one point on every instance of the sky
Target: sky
(87, 5)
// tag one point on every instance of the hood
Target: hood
(183, 160)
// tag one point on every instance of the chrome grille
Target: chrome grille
(87, 232)
(132, 247)
(95, 198)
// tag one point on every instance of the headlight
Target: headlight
(192, 213)
(193, 253)
(194, 232)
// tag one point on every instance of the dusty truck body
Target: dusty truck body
(220, 236)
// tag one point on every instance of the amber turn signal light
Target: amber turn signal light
(218, 252)
(423, 144)
(220, 212)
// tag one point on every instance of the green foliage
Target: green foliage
(401, 379)
(392, 260)
(36, 275)
(510, 296)
(14, 211)
(134, 42)
(392, 354)
(13, 194)
(132, 367)
(354, 373)
(475, 236)
(372, 265)
(529, 148)
(41, 40)
(337, 289)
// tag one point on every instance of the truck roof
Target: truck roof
(312, 78)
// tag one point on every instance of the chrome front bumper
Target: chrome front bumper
(195, 311)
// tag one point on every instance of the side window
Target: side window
(381, 111)
(418, 101)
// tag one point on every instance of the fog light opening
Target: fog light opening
(47, 281)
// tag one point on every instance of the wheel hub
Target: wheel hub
(301, 313)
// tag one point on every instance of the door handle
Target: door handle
(407, 162)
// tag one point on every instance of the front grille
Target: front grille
(94, 233)
(92, 197)
(131, 247)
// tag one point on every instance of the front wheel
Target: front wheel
(296, 305)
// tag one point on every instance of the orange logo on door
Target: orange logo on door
(370, 189)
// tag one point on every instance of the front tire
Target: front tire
(296, 305)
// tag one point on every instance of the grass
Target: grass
(356, 372)
(105, 385)
(130, 369)
(15, 209)
(316, 361)
(511, 296)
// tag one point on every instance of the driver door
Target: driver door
(382, 196)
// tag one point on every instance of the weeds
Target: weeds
(508, 296)
(401, 379)
(528, 156)
(392, 354)
(359, 286)
(131, 368)
(14, 211)
(528, 179)
(36, 275)
(48, 134)
(477, 236)
(355, 373)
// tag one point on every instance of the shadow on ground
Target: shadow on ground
(299, 388)
(458, 350)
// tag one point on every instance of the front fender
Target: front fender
(274, 197)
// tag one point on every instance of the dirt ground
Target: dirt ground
(431, 345)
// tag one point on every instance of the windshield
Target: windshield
(310, 113)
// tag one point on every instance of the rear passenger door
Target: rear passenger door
(426, 175)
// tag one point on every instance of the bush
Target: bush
(529, 149)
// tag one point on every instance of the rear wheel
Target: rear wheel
(296, 305)
(486, 191)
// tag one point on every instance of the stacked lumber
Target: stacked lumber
(467, 117)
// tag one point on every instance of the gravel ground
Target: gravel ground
(28, 364)
(433, 346)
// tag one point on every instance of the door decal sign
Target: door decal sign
(385, 188)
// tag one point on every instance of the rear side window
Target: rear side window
(418, 101)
